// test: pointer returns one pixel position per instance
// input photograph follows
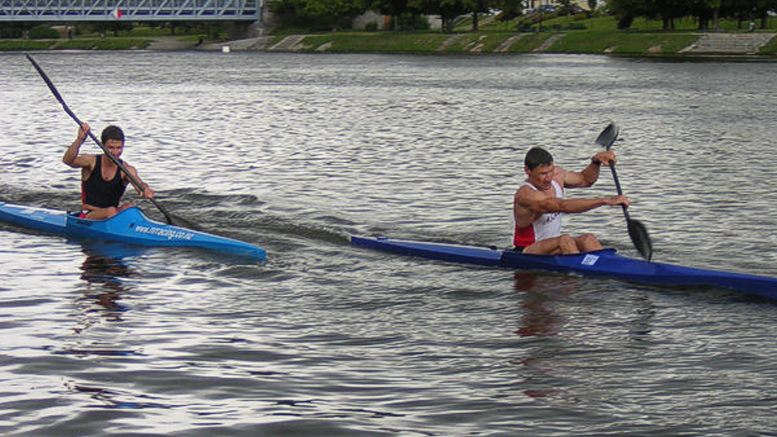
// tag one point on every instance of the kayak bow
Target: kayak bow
(129, 226)
(605, 262)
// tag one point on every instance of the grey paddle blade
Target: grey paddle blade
(639, 236)
(608, 136)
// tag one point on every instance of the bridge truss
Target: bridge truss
(129, 10)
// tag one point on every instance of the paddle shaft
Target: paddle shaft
(606, 139)
(135, 182)
(618, 187)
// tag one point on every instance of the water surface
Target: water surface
(295, 153)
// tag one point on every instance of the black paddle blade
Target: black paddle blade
(639, 236)
(608, 136)
(175, 220)
(182, 223)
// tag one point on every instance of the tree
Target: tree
(511, 9)
(400, 11)
(389, 7)
(330, 13)
(450, 10)
(625, 11)
(705, 11)
(480, 6)
(565, 7)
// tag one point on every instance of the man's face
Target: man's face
(115, 147)
(542, 176)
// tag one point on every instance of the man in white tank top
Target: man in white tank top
(539, 204)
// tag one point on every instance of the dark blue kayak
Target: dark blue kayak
(129, 226)
(599, 263)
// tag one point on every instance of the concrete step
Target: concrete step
(289, 43)
(729, 43)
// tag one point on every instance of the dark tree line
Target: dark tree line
(334, 12)
(339, 13)
(706, 12)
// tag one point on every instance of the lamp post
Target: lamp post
(539, 25)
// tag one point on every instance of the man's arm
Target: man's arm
(535, 201)
(590, 174)
(71, 156)
(144, 190)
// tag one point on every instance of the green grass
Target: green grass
(770, 48)
(147, 31)
(549, 22)
(114, 43)
(12, 45)
(118, 43)
(397, 42)
(606, 23)
(600, 24)
(689, 24)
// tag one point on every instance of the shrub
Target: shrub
(412, 22)
(43, 31)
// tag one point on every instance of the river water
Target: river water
(297, 152)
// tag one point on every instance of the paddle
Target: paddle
(637, 231)
(171, 219)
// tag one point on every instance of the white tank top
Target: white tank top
(548, 225)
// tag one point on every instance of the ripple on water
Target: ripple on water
(295, 153)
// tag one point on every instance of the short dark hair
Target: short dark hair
(112, 133)
(536, 157)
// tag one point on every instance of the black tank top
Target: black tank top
(98, 192)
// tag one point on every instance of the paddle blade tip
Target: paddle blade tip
(183, 223)
(641, 239)
(608, 135)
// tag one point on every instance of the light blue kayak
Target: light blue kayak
(600, 263)
(129, 226)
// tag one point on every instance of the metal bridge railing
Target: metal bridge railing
(130, 10)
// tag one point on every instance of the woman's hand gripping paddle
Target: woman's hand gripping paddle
(637, 231)
(171, 219)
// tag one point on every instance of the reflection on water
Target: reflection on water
(110, 398)
(106, 272)
(541, 293)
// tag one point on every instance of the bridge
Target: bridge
(129, 10)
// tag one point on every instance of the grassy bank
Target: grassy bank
(596, 35)
(585, 42)
(95, 43)
(136, 38)
(567, 34)
(497, 42)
